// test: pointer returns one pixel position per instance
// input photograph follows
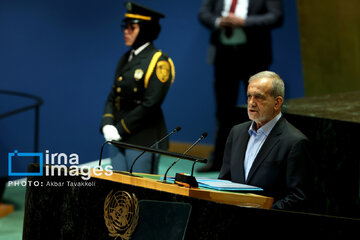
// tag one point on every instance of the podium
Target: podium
(152, 182)
(68, 207)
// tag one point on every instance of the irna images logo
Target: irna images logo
(57, 164)
(16, 154)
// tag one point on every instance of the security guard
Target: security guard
(142, 78)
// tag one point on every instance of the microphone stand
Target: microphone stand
(179, 160)
(158, 151)
(167, 135)
(101, 152)
(181, 178)
(192, 168)
(178, 128)
(179, 156)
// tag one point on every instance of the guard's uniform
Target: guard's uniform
(133, 109)
(134, 103)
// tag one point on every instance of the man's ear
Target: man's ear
(279, 102)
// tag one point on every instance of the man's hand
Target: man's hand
(232, 21)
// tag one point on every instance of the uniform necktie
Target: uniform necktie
(132, 55)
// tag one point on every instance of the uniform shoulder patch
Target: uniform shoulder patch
(163, 70)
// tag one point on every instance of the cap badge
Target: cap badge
(129, 6)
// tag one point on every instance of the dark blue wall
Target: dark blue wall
(66, 52)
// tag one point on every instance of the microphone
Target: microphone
(177, 129)
(203, 135)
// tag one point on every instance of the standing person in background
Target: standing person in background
(240, 46)
(142, 78)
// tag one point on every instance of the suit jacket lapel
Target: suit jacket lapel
(250, 7)
(242, 150)
(266, 148)
(219, 7)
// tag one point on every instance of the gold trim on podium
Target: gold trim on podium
(232, 198)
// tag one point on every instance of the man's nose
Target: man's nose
(250, 99)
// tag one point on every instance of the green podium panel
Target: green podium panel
(162, 220)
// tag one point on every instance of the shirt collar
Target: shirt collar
(266, 129)
(139, 49)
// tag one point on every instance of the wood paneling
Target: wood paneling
(330, 45)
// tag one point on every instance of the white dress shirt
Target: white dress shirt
(257, 139)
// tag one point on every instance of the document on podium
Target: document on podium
(225, 185)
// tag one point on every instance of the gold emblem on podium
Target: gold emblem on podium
(121, 214)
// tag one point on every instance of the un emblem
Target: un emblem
(121, 214)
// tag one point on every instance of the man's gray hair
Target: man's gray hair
(278, 86)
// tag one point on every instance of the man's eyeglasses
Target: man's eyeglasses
(129, 26)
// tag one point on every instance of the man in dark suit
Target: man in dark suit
(269, 152)
(240, 46)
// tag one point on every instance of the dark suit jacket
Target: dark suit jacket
(281, 167)
(263, 15)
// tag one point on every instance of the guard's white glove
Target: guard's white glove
(111, 133)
